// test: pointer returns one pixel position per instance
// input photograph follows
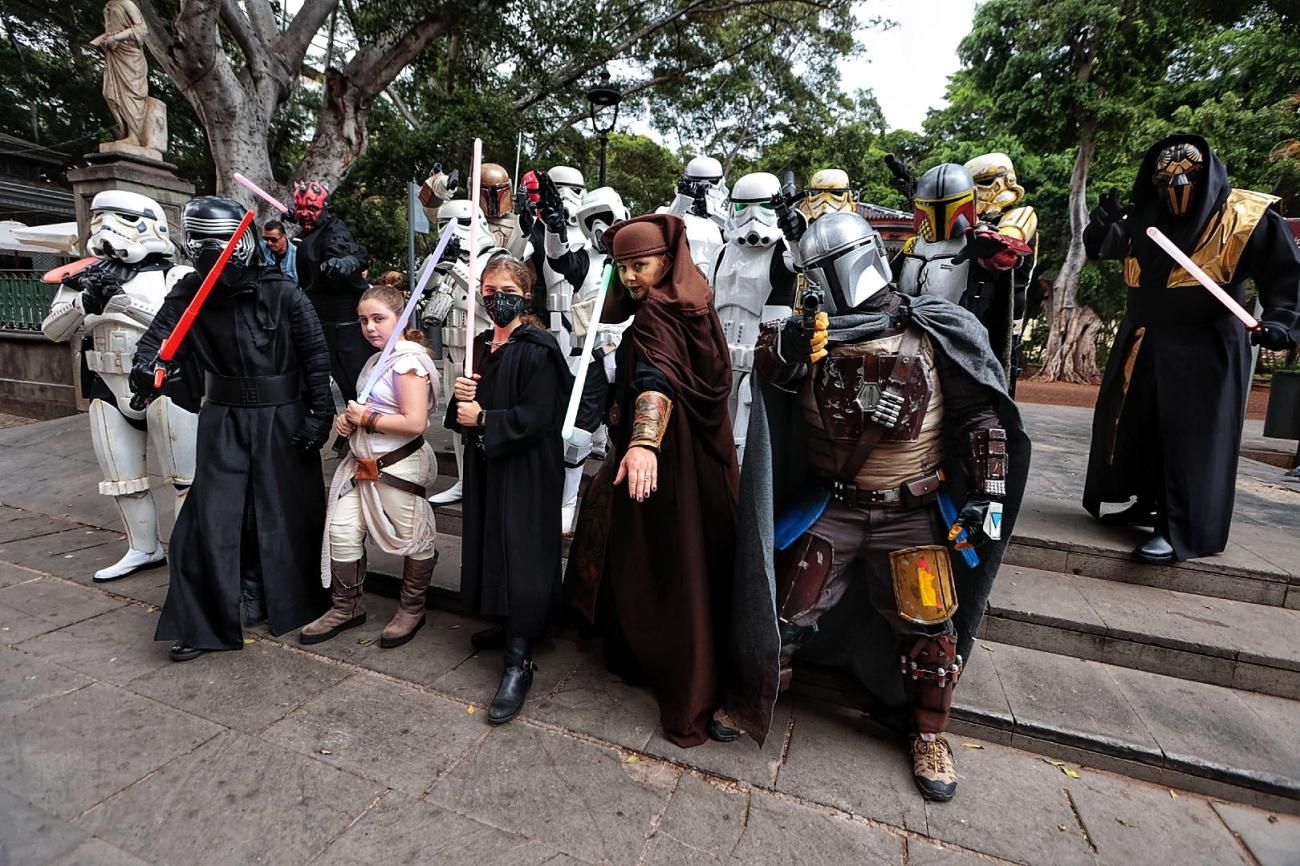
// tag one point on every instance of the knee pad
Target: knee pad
(923, 589)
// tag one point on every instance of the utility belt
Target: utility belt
(108, 362)
(742, 357)
(912, 494)
(373, 470)
(254, 390)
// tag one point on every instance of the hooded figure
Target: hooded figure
(659, 518)
(1167, 427)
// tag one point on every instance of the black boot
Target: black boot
(1155, 549)
(515, 681)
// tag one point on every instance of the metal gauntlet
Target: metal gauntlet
(650, 415)
(988, 461)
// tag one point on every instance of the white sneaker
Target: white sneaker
(135, 560)
(450, 496)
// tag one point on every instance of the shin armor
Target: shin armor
(930, 667)
(802, 570)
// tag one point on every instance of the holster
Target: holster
(930, 667)
(802, 570)
(373, 470)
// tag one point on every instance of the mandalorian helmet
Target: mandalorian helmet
(310, 199)
(601, 208)
(828, 192)
(458, 209)
(707, 170)
(571, 184)
(945, 203)
(753, 219)
(207, 223)
(494, 190)
(996, 189)
(845, 258)
(128, 227)
(1179, 168)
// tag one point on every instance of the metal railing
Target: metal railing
(24, 300)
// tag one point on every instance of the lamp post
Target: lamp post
(604, 99)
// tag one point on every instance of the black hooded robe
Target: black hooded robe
(335, 298)
(514, 483)
(1172, 403)
(257, 504)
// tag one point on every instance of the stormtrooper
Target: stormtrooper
(496, 200)
(701, 201)
(828, 192)
(446, 308)
(955, 258)
(555, 234)
(752, 283)
(114, 301)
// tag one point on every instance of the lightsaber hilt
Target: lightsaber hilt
(588, 347)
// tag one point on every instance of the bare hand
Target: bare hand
(640, 467)
(354, 412)
(343, 426)
(466, 390)
(467, 413)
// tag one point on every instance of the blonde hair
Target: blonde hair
(393, 298)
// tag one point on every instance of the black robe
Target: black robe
(514, 482)
(257, 504)
(335, 298)
(1174, 431)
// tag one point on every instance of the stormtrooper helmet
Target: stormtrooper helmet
(828, 192)
(844, 257)
(753, 219)
(601, 208)
(708, 170)
(572, 186)
(995, 184)
(128, 227)
(459, 209)
(208, 223)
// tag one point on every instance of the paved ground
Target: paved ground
(345, 753)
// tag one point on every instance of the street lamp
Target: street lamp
(604, 97)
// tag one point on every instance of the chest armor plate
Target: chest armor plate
(740, 289)
(928, 270)
(848, 383)
(117, 332)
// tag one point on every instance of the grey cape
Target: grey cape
(852, 637)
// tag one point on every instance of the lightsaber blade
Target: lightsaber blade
(475, 187)
(588, 346)
(1202, 277)
(258, 191)
(426, 274)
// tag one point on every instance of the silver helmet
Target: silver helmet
(845, 258)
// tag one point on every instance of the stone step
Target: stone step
(1193, 637)
(1217, 741)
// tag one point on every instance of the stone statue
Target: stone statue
(141, 119)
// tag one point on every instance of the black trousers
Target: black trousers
(349, 352)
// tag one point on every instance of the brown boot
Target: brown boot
(347, 604)
(416, 574)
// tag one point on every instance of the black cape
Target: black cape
(257, 504)
(335, 297)
(852, 636)
(1184, 405)
(514, 484)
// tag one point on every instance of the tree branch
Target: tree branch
(262, 17)
(291, 47)
(375, 67)
(402, 108)
(256, 55)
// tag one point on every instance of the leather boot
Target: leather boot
(347, 604)
(1155, 549)
(409, 619)
(516, 679)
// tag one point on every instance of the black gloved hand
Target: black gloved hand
(1109, 210)
(453, 180)
(801, 345)
(972, 518)
(341, 266)
(307, 440)
(555, 219)
(97, 286)
(901, 318)
(1271, 335)
(452, 251)
(792, 223)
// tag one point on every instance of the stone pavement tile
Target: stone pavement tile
(30, 835)
(148, 586)
(597, 702)
(1069, 700)
(1273, 840)
(11, 574)
(923, 852)
(1010, 804)
(778, 832)
(979, 692)
(375, 728)
(81, 565)
(1210, 728)
(837, 760)
(36, 552)
(42, 605)
(26, 681)
(97, 852)
(475, 680)
(236, 799)
(404, 831)
(33, 526)
(1123, 816)
(71, 752)
(742, 759)
(246, 689)
(116, 646)
(702, 824)
(584, 800)
(1044, 597)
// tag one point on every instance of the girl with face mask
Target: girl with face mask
(510, 413)
(380, 486)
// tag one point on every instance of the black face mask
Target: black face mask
(503, 309)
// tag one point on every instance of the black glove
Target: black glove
(792, 223)
(453, 180)
(97, 286)
(451, 252)
(341, 266)
(972, 518)
(1271, 335)
(1109, 210)
(800, 344)
(308, 440)
(555, 219)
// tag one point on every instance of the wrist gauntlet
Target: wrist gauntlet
(650, 415)
(988, 461)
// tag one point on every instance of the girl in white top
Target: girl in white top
(380, 486)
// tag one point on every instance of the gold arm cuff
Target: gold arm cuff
(650, 415)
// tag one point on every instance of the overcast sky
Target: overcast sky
(907, 67)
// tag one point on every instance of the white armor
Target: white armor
(928, 269)
(559, 291)
(706, 170)
(742, 282)
(572, 186)
(127, 229)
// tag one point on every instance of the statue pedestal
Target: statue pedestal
(116, 170)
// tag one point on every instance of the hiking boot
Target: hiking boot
(932, 768)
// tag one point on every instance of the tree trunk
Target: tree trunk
(1071, 353)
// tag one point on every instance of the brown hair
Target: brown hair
(396, 279)
(522, 275)
(394, 299)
